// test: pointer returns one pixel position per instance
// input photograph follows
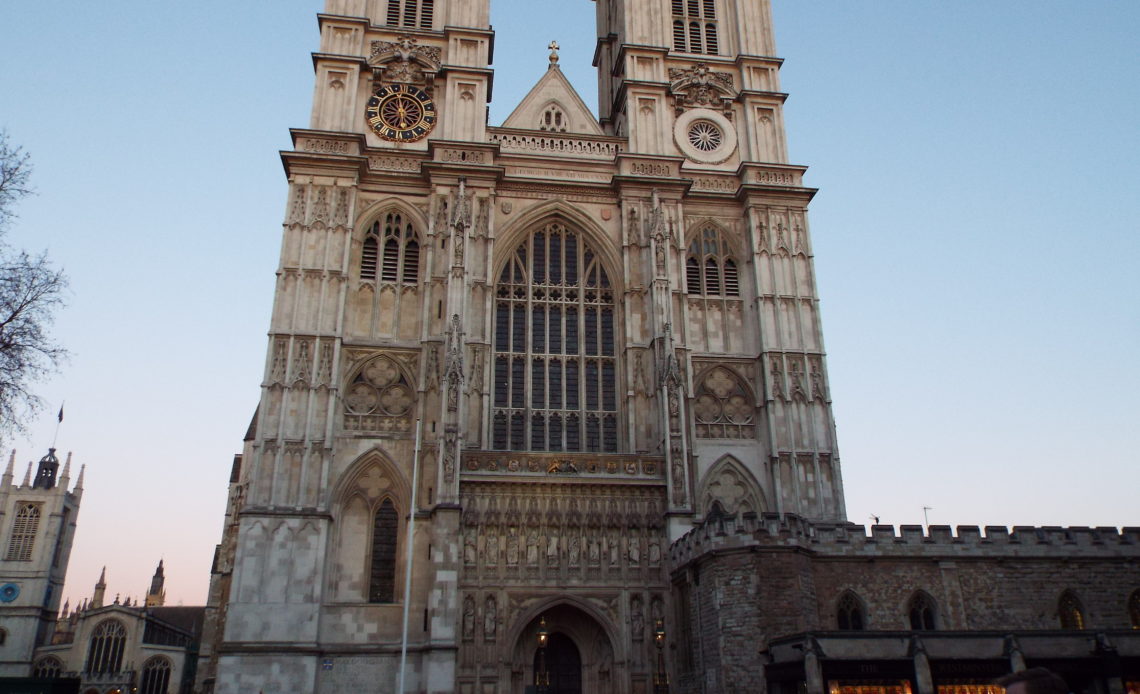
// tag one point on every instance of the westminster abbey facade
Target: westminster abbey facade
(529, 366)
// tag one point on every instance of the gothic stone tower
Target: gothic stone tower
(37, 522)
(606, 330)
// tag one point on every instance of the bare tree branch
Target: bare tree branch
(15, 177)
(31, 291)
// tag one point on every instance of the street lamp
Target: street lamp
(541, 676)
(660, 678)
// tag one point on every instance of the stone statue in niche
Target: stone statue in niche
(575, 550)
(513, 547)
(634, 551)
(492, 549)
(469, 551)
(532, 548)
(595, 554)
(552, 548)
(657, 608)
(615, 547)
(654, 553)
(637, 619)
(659, 251)
(469, 617)
(490, 618)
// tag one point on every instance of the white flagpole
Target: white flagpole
(409, 554)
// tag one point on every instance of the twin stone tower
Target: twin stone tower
(552, 346)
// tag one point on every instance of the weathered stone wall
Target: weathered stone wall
(741, 585)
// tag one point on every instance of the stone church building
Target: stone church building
(567, 374)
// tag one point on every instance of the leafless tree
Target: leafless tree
(31, 291)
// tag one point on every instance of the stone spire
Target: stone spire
(100, 588)
(28, 476)
(65, 476)
(8, 471)
(156, 596)
(79, 482)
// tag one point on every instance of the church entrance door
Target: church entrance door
(563, 663)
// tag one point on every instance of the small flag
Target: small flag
(60, 413)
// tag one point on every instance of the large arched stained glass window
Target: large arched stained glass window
(156, 676)
(555, 346)
(105, 653)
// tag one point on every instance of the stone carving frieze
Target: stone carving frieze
(700, 87)
(405, 61)
(562, 465)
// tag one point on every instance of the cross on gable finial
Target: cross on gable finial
(553, 52)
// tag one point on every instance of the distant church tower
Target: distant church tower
(606, 330)
(37, 525)
(156, 596)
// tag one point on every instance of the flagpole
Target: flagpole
(409, 554)
(58, 421)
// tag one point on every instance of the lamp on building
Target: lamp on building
(660, 678)
(541, 676)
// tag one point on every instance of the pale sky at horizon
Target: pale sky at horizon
(977, 243)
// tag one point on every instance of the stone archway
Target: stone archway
(574, 635)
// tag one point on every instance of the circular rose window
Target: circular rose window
(705, 136)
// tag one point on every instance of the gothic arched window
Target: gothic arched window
(710, 268)
(105, 653)
(553, 119)
(379, 398)
(382, 571)
(849, 613)
(156, 676)
(391, 251)
(1069, 611)
(1134, 609)
(694, 26)
(410, 13)
(48, 668)
(24, 527)
(921, 612)
(555, 348)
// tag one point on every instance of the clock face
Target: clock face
(401, 113)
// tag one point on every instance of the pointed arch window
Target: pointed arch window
(1070, 612)
(48, 668)
(555, 348)
(24, 528)
(553, 119)
(921, 612)
(849, 614)
(710, 268)
(410, 13)
(155, 676)
(391, 251)
(105, 652)
(1134, 609)
(695, 26)
(382, 574)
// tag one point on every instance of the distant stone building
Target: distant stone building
(583, 357)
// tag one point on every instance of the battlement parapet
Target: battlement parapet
(753, 532)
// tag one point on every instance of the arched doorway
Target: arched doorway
(579, 652)
(563, 664)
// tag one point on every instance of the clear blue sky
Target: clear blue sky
(975, 236)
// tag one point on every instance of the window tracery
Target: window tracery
(24, 528)
(379, 398)
(849, 613)
(921, 612)
(1069, 611)
(695, 26)
(155, 676)
(555, 347)
(48, 668)
(710, 268)
(724, 407)
(391, 251)
(105, 653)
(553, 120)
